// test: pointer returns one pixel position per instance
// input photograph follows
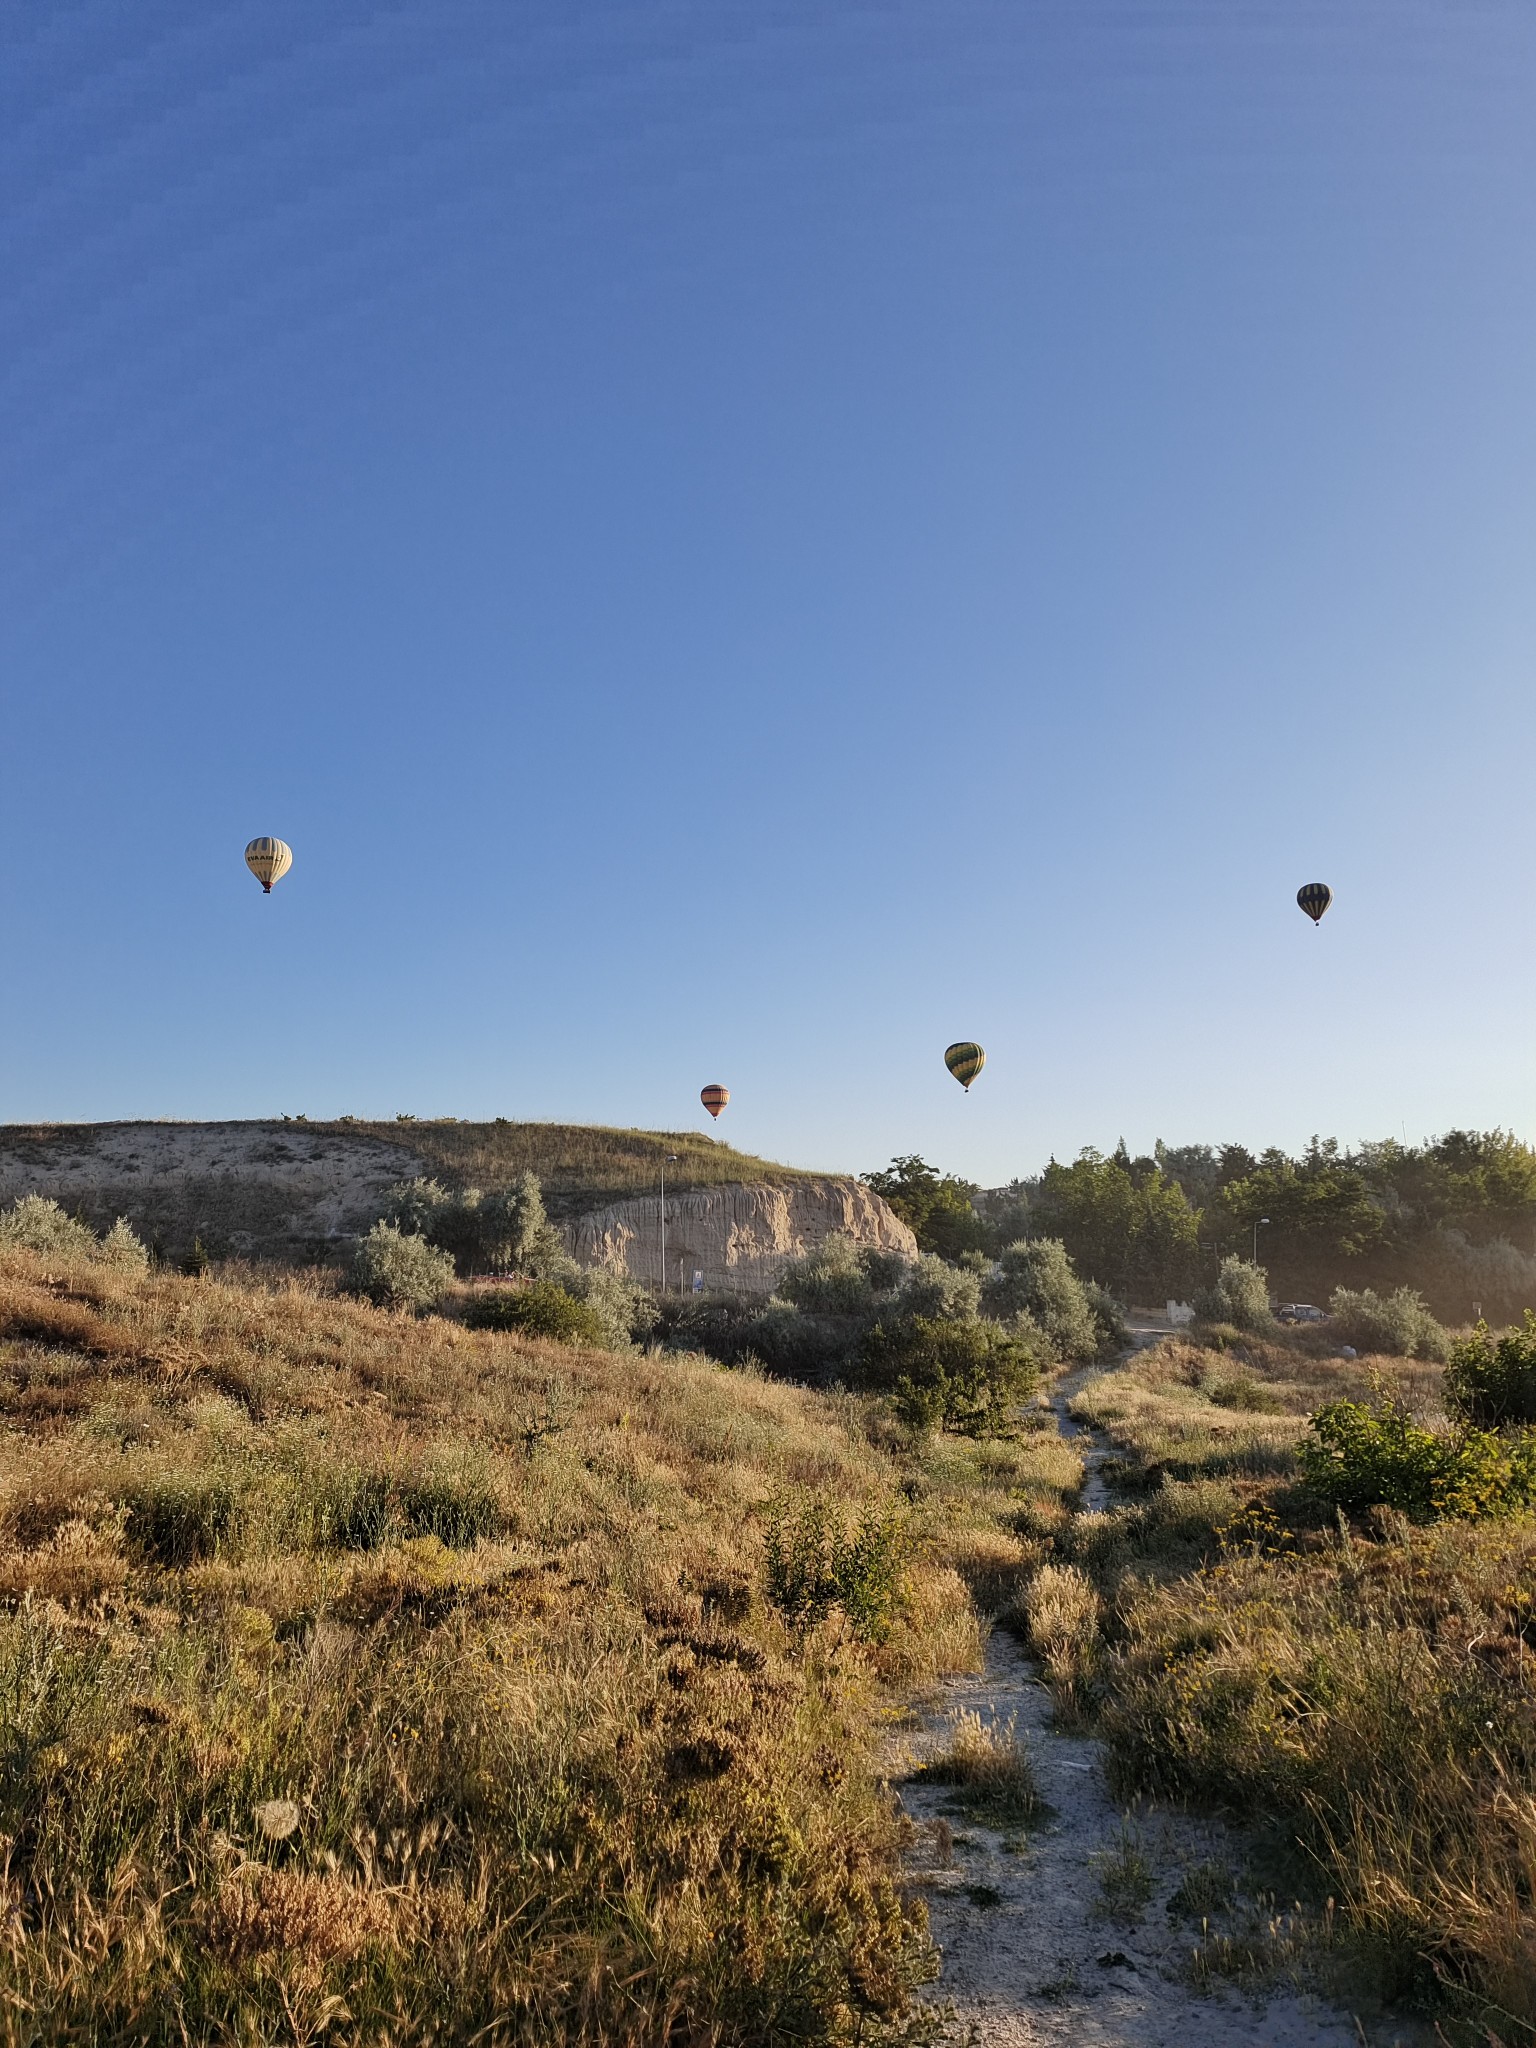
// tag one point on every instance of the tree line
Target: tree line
(1455, 1217)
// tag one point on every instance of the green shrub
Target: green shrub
(835, 1279)
(1108, 1318)
(459, 1510)
(1493, 1380)
(504, 1232)
(397, 1270)
(350, 1509)
(1364, 1457)
(938, 1292)
(540, 1310)
(621, 1308)
(1034, 1279)
(178, 1518)
(1398, 1323)
(33, 1223)
(813, 1562)
(963, 1376)
(123, 1248)
(1240, 1297)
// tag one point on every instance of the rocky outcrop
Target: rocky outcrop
(738, 1238)
(262, 1190)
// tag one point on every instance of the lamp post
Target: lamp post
(671, 1159)
(1261, 1219)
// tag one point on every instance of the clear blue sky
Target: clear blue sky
(746, 542)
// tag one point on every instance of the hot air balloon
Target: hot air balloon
(965, 1061)
(714, 1097)
(1314, 899)
(268, 860)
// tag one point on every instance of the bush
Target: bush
(349, 1509)
(812, 1562)
(397, 1270)
(835, 1279)
(1365, 1457)
(355, 1509)
(179, 1518)
(1493, 1381)
(1034, 1279)
(1398, 1323)
(122, 1248)
(1108, 1317)
(939, 1293)
(506, 1232)
(989, 1767)
(457, 1509)
(963, 1376)
(33, 1223)
(621, 1308)
(540, 1310)
(1240, 1297)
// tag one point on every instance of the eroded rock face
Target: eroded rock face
(266, 1190)
(739, 1238)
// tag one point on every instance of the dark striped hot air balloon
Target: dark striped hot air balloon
(268, 860)
(965, 1061)
(714, 1097)
(1314, 899)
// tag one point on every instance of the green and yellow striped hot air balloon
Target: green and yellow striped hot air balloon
(268, 860)
(965, 1061)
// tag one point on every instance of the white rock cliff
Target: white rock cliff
(739, 1238)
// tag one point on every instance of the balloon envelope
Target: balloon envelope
(965, 1061)
(268, 860)
(1314, 899)
(714, 1097)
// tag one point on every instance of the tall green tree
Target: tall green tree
(1125, 1224)
(936, 1206)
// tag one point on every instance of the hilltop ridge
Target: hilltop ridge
(300, 1192)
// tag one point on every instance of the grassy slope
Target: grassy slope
(580, 1166)
(490, 1615)
(1371, 1693)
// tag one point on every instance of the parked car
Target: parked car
(1300, 1312)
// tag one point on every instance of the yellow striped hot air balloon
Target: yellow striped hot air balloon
(714, 1097)
(1314, 899)
(965, 1061)
(268, 860)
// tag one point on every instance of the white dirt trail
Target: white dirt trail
(1030, 1954)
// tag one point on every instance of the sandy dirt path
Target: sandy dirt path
(1031, 1953)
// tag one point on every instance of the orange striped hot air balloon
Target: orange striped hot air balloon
(714, 1097)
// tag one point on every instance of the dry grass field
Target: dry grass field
(367, 1678)
(580, 1166)
(1366, 1692)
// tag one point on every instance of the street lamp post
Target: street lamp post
(671, 1159)
(1261, 1219)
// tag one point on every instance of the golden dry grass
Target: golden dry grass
(579, 1165)
(1367, 1694)
(1186, 1409)
(487, 1614)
